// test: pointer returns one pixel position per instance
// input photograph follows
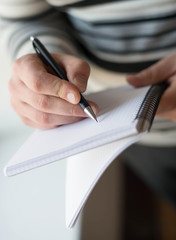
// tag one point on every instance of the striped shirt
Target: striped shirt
(115, 36)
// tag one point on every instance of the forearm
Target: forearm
(17, 24)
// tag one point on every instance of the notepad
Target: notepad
(124, 112)
(83, 172)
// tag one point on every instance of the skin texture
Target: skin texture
(45, 101)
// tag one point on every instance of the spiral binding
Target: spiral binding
(150, 103)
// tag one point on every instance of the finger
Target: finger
(158, 72)
(46, 103)
(168, 100)
(77, 70)
(49, 104)
(34, 75)
(42, 118)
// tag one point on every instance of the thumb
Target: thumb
(158, 72)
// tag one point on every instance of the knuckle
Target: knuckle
(35, 83)
(42, 76)
(42, 102)
(60, 89)
(74, 110)
(37, 80)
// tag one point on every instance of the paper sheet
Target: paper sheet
(84, 171)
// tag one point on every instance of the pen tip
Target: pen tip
(88, 110)
(96, 119)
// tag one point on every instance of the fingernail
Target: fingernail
(71, 97)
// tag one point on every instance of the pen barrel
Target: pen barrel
(83, 102)
(45, 56)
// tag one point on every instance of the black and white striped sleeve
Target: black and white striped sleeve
(22, 18)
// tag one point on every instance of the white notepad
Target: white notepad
(124, 112)
(83, 172)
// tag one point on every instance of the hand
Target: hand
(43, 100)
(164, 70)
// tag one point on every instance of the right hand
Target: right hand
(43, 100)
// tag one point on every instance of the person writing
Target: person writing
(136, 38)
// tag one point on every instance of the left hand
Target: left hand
(164, 70)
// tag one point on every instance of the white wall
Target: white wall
(31, 204)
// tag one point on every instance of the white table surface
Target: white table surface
(31, 204)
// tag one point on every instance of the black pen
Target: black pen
(48, 60)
